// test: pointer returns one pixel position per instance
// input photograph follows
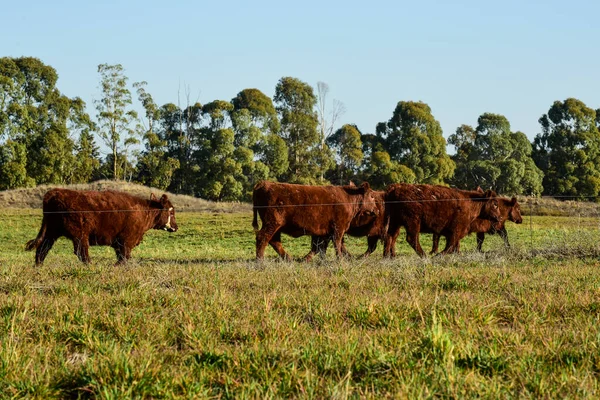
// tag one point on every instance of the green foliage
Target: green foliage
(413, 138)
(13, 166)
(179, 128)
(380, 171)
(295, 103)
(116, 122)
(155, 168)
(224, 171)
(35, 114)
(87, 160)
(492, 156)
(125, 169)
(256, 125)
(275, 155)
(347, 144)
(568, 149)
(260, 107)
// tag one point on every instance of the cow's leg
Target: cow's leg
(318, 245)
(504, 235)
(389, 250)
(453, 241)
(43, 249)
(81, 248)
(436, 243)
(275, 242)
(121, 251)
(413, 228)
(371, 245)
(345, 251)
(480, 239)
(338, 241)
(263, 237)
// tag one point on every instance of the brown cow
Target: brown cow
(434, 209)
(368, 225)
(510, 211)
(298, 210)
(107, 218)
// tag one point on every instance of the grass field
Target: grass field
(193, 316)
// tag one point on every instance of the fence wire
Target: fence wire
(550, 225)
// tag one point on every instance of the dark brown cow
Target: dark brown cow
(298, 210)
(434, 209)
(107, 218)
(363, 224)
(510, 211)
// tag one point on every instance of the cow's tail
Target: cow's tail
(255, 199)
(35, 243)
(255, 219)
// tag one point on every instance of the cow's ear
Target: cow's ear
(365, 186)
(479, 189)
(153, 197)
(513, 201)
(351, 183)
(164, 198)
(490, 193)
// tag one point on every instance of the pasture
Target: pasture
(194, 316)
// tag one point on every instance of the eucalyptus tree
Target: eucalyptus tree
(295, 103)
(154, 168)
(117, 121)
(38, 121)
(347, 144)
(13, 166)
(492, 156)
(568, 149)
(179, 128)
(256, 126)
(413, 138)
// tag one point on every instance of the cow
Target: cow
(434, 209)
(362, 225)
(510, 211)
(298, 210)
(99, 218)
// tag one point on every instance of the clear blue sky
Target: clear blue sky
(463, 57)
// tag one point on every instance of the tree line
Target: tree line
(220, 149)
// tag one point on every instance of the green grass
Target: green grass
(193, 316)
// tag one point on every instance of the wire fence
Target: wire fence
(550, 225)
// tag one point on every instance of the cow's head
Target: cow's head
(366, 217)
(491, 209)
(166, 217)
(368, 205)
(514, 211)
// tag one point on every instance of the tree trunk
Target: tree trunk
(115, 177)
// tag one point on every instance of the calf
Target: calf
(369, 225)
(99, 218)
(434, 209)
(509, 209)
(298, 210)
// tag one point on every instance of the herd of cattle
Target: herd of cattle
(326, 213)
